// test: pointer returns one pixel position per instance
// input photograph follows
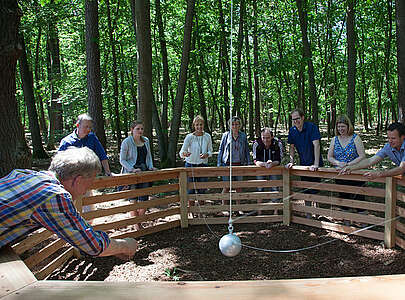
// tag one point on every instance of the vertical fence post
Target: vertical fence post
(286, 197)
(183, 199)
(390, 211)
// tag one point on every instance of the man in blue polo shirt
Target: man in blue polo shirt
(82, 136)
(394, 149)
(305, 137)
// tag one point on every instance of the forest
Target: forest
(167, 61)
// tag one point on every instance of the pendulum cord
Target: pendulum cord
(230, 244)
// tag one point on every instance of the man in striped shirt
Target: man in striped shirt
(30, 200)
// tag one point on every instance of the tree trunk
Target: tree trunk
(190, 108)
(94, 97)
(307, 54)
(213, 95)
(28, 90)
(400, 20)
(42, 122)
(223, 54)
(201, 98)
(387, 61)
(165, 65)
(181, 85)
(237, 90)
(125, 108)
(351, 61)
(144, 47)
(364, 99)
(379, 104)
(115, 76)
(249, 86)
(55, 107)
(256, 71)
(14, 151)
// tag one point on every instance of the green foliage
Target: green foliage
(279, 48)
(172, 274)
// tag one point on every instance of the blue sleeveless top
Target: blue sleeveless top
(345, 154)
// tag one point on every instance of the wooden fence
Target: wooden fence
(282, 200)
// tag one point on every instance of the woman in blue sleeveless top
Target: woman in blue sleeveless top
(346, 149)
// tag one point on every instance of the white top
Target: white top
(197, 145)
(129, 154)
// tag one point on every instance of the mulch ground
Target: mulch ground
(192, 254)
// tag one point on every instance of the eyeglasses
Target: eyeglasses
(295, 119)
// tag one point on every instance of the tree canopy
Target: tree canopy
(326, 57)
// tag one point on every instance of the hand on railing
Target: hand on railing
(314, 168)
(372, 175)
(289, 165)
(345, 171)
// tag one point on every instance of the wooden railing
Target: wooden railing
(168, 206)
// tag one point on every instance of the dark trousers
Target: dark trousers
(310, 191)
(351, 196)
(196, 179)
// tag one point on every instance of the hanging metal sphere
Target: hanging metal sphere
(230, 245)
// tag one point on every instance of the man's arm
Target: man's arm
(60, 216)
(391, 172)
(317, 153)
(106, 167)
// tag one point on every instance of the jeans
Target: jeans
(196, 179)
(140, 186)
(273, 189)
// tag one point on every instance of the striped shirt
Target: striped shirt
(30, 200)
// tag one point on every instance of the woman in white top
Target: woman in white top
(136, 156)
(196, 149)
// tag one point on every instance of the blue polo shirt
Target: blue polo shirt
(302, 141)
(396, 156)
(90, 141)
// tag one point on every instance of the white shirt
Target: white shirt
(197, 145)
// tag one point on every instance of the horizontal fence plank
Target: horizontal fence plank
(339, 201)
(370, 191)
(32, 240)
(400, 211)
(44, 253)
(339, 228)
(130, 194)
(400, 226)
(130, 207)
(236, 171)
(241, 220)
(400, 180)
(56, 263)
(236, 196)
(236, 207)
(138, 219)
(401, 196)
(400, 242)
(133, 178)
(370, 219)
(332, 173)
(235, 184)
(148, 230)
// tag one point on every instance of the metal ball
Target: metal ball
(230, 245)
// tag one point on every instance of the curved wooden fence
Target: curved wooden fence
(281, 201)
